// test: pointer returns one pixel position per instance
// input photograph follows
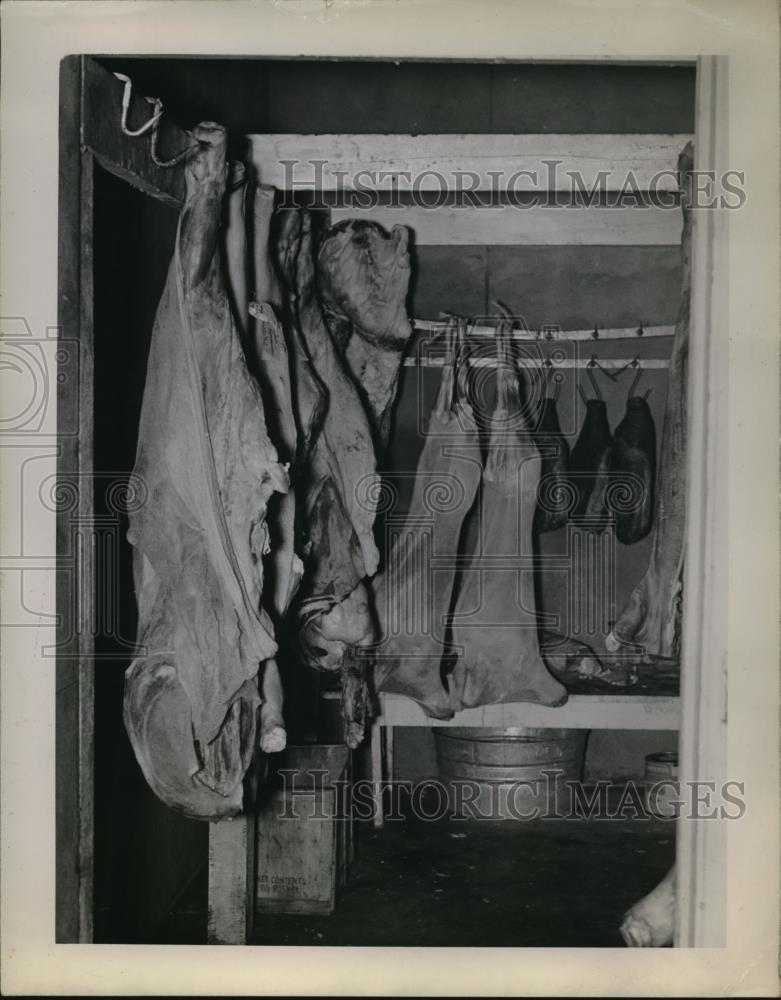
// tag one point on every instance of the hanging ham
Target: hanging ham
(588, 465)
(413, 596)
(495, 622)
(191, 695)
(554, 493)
(652, 616)
(363, 279)
(631, 472)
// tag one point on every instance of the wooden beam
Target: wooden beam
(701, 843)
(232, 888)
(125, 156)
(76, 595)
(580, 712)
(436, 163)
(539, 225)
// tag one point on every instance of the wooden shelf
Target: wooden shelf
(516, 162)
(602, 711)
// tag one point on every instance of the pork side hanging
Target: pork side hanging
(413, 596)
(191, 695)
(652, 616)
(494, 621)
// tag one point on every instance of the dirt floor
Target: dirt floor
(557, 883)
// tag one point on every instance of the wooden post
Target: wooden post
(233, 868)
(701, 844)
(232, 880)
(75, 583)
(376, 769)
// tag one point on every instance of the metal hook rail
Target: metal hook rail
(549, 333)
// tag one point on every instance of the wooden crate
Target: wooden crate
(304, 842)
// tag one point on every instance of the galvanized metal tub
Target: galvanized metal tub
(515, 773)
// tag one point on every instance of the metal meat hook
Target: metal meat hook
(151, 124)
(126, 95)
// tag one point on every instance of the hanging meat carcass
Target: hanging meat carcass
(284, 568)
(363, 278)
(652, 616)
(272, 363)
(348, 452)
(495, 622)
(413, 596)
(588, 465)
(336, 484)
(631, 472)
(267, 358)
(554, 493)
(191, 694)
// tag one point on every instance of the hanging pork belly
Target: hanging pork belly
(413, 595)
(494, 621)
(363, 278)
(651, 618)
(191, 695)
(631, 472)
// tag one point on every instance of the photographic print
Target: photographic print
(387, 409)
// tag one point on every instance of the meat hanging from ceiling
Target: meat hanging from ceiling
(363, 276)
(335, 479)
(554, 495)
(335, 471)
(651, 618)
(269, 353)
(494, 620)
(412, 597)
(588, 466)
(345, 451)
(209, 468)
(631, 472)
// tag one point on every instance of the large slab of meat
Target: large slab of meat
(363, 277)
(204, 454)
(413, 595)
(494, 620)
(347, 452)
(652, 616)
(335, 479)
